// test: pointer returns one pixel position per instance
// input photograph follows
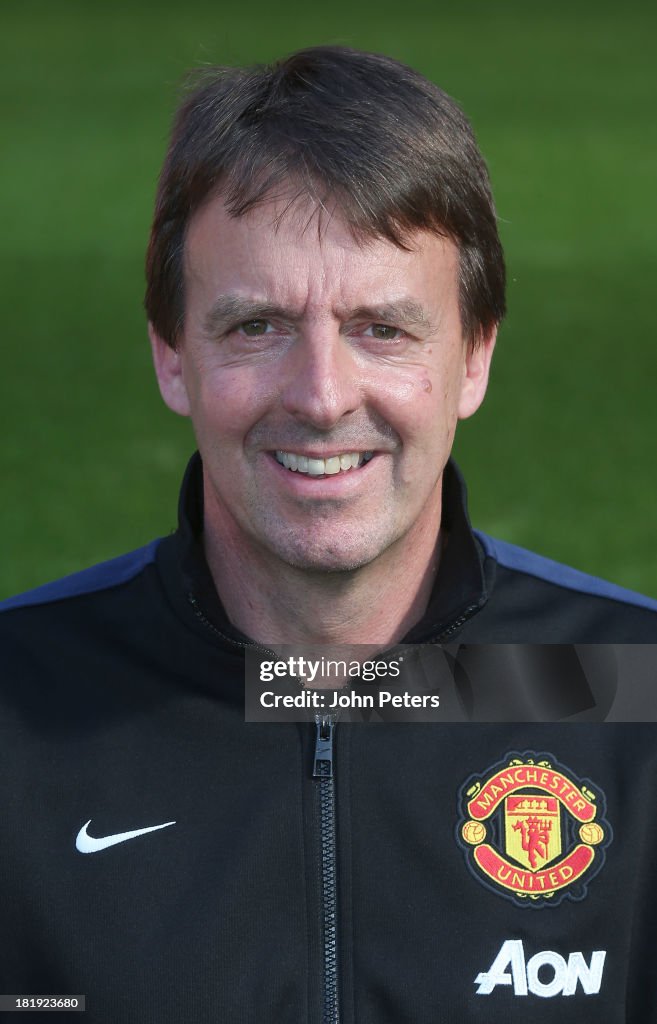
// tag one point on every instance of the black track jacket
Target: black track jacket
(291, 873)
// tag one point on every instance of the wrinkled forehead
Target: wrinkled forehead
(306, 204)
(306, 244)
(294, 216)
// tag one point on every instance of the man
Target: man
(325, 281)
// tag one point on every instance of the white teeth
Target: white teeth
(323, 467)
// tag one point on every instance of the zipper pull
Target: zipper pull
(323, 763)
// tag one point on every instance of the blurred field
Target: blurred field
(561, 458)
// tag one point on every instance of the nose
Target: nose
(323, 383)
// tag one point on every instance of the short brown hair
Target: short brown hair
(393, 150)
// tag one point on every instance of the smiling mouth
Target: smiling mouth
(342, 463)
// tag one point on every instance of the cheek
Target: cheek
(227, 402)
(421, 404)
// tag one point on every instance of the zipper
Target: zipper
(323, 772)
(241, 644)
(456, 624)
(440, 638)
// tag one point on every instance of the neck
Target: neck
(275, 603)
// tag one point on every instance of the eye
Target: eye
(383, 332)
(254, 328)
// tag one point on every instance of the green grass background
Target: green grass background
(562, 456)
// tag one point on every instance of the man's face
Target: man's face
(303, 347)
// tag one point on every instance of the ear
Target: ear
(478, 358)
(168, 370)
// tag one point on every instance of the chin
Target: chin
(321, 557)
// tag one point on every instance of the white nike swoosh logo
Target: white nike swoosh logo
(88, 844)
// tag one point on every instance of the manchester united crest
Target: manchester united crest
(532, 831)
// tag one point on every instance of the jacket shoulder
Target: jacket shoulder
(103, 576)
(528, 563)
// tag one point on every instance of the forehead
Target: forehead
(300, 252)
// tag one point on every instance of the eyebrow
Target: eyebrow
(228, 310)
(232, 309)
(404, 313)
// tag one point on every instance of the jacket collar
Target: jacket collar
(458, 593)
